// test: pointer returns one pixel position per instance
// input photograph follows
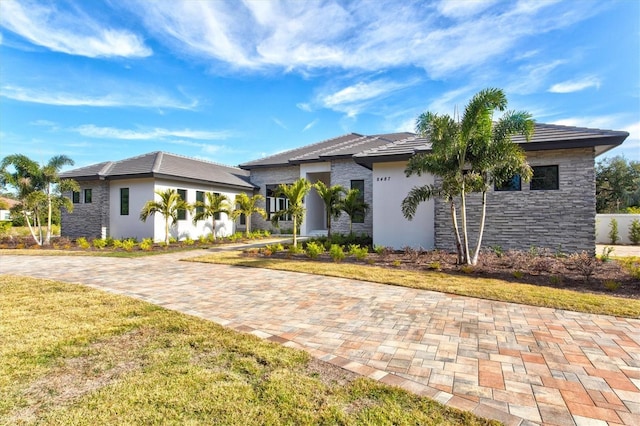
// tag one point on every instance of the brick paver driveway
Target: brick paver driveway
(515, 363)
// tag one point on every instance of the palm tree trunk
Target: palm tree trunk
(33, 233)
(463, 213)
(213, 231)
(454, 218)
(482, 218)
(40, 233)
(248, 224)
(295, 240)
(328, 225)
(166, 231)
(48, 240)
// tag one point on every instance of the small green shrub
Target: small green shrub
(467, 269)
(396, 263)
(202, 239)
(606, 254)
(291, 250)
(173, 240)
(358, 252)
(518, 275)
(436, 266)
(497, 250)
(110, 242)
(611, 285)
(314, 249)
(634, 231)
(336, 252)
(83, 243)
(5, 227)
(128, 244)
(378, 249)
(614, 237)
(116, 244)
(99, 243)
(632, 265)
(188, 241)
(633, 210)
(274, 248)
(146, 244)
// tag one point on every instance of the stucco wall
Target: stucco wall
(603, 227)
(89, 220)
(390, 227)
(555, 219)
(130, 226)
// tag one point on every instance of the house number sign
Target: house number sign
(383, 179)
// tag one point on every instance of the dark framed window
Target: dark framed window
(75, 197)
(545, 178)
(87, 195)
(359, 185)
(243, 219)
(513, 184)
(199, 199)
(124, 201)
(182, 213)
(275, 203)
(216, 216)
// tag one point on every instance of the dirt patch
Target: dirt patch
(330, 374)
(82, 375)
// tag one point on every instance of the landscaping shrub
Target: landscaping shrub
(584, 263)
(614, 237)
(634, 232)
(606, 254)
(146, 244)
(274, 248)
(358, 252)
(83, 243)
(314, 249)
(188, 241)
(128, 244)
(336, 252)
(99, 243)
(114, 243)
(611, 285)
(5, 228)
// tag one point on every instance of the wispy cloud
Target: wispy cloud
(310, 125)
(292, 35)
(279, 123)
(69, 31)
(92, 131)
(354, 98)
(570, 86)
(145, 99)
(304, 106)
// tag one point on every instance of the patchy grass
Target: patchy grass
(75, 355)
(485, 288)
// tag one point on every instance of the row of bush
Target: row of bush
(634, 232)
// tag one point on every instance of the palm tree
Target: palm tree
(353, 205)
(295, 194)
(332, 198)
(212, 206)
(168, 206)
(39, 189)
(245, 205)
(468, 155)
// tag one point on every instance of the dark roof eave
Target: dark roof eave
(611, 141)
(368, 162)
(162, 176)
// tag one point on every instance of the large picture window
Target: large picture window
(513, 184)
(124, 201)
(275, 203)
(545, 178)
(359, 185)
(182, 213)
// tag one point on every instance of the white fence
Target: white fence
(603, 227)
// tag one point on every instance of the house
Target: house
(5, 205)
(112, 195)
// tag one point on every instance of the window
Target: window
(75, 197)
(275, 203)
(359, 185)
(124, 201)
(243, 219)
(182, 213)
(87, 195)
(545, 177)
(199, 199)
(217, 215)
(514, 184)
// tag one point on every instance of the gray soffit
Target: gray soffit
(164, 165)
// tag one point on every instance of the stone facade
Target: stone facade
(342, 173)
(262, 177)
(562, 219)
(89, 220)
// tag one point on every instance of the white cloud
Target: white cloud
(531, 77)
(69, 31)
(92, 131)
(279, 123)
(310, 125)
(353, 99)
(463, 9)
(575, 85)
(304, 106)
(143, 99)
(605, 122)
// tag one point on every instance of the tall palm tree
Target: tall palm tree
(332, 197)
(468, 155)
(353, 205)
(245, 205)
(295, 194)
(169, 206)
(212, 206)
(39, 189)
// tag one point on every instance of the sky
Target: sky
(234, 81)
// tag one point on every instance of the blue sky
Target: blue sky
(232, 81)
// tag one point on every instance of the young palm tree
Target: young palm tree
(168, 206)
(295, 194)
(245, 205)
(353, 205)
(332, 198)
(213, 205)
(468, 155)
(39, 189)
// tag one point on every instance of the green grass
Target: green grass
(485, 288)
(75, 355)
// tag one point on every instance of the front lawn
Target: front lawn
(75, 355)
(461, 284)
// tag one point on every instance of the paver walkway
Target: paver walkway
(515, 363)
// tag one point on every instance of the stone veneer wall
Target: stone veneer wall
(554, 219)
(342, 173)
(88, 219)
(271, 176)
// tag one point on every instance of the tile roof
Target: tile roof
(546, 136)
(162, 164)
